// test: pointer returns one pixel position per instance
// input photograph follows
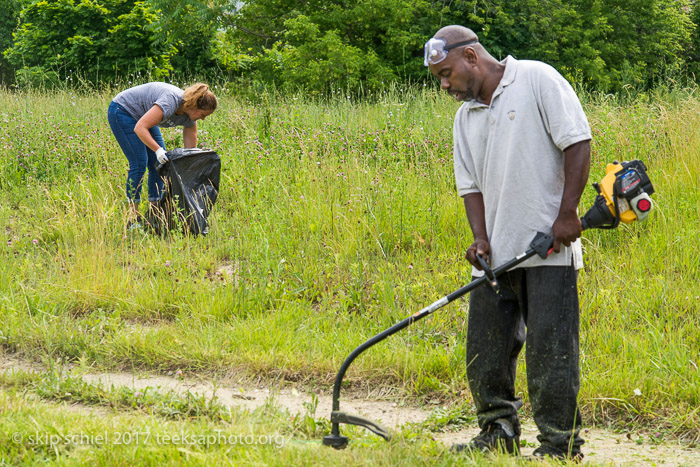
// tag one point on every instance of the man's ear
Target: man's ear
(470, 55)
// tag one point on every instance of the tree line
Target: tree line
(318, 46)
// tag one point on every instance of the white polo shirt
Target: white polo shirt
(512, 152)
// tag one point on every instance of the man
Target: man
(521, 158)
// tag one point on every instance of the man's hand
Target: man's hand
(480, 247)
(566, 229)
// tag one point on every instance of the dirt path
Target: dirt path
(602, 446)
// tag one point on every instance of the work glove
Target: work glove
(160, 155)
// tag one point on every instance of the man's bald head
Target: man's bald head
(455, 33)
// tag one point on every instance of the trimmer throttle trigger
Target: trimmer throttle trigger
(543, 244)
(489, 274)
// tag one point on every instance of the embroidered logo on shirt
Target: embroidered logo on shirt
(511, 114)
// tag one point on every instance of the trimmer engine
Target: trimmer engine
(623, 195)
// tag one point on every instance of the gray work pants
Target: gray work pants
(538, 307)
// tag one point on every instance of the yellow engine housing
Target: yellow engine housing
(606, 185)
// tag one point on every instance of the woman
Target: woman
(135, 116)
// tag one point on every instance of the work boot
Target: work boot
(551, 452)
(497, 436)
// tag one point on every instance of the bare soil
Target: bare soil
(603, 446)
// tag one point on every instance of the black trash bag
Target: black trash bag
(191, 179)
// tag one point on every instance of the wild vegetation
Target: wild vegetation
(336, 219)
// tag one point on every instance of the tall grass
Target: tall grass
(335, 220)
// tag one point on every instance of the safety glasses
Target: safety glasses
(436, 50)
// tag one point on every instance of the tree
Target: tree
(645, 40)
(320, 62)
(9, 20)
(694, 49)
(89, 40)
(392, 30)
(194, 38)
(601, 44)
(355, 43)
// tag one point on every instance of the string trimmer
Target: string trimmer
(623, 196)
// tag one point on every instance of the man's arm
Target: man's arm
(577, 163)
(474, 205)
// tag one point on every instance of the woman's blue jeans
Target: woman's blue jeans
(140, 157)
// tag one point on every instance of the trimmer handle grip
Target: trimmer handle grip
(489, 274)
(543, 244)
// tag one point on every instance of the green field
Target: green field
(335, 220)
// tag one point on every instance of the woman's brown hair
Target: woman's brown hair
(198, 96)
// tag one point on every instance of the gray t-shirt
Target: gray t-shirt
(140, 99)
(512, 152)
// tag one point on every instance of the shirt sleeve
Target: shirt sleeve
(168, 103)
(466, 183)
(562, 111)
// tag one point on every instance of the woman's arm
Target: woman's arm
(189, 136)
(150, 119)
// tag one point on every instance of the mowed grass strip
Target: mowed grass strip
(335, 220)
(56, 418)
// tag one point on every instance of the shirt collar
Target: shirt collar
(510, 71)
(508, 77)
